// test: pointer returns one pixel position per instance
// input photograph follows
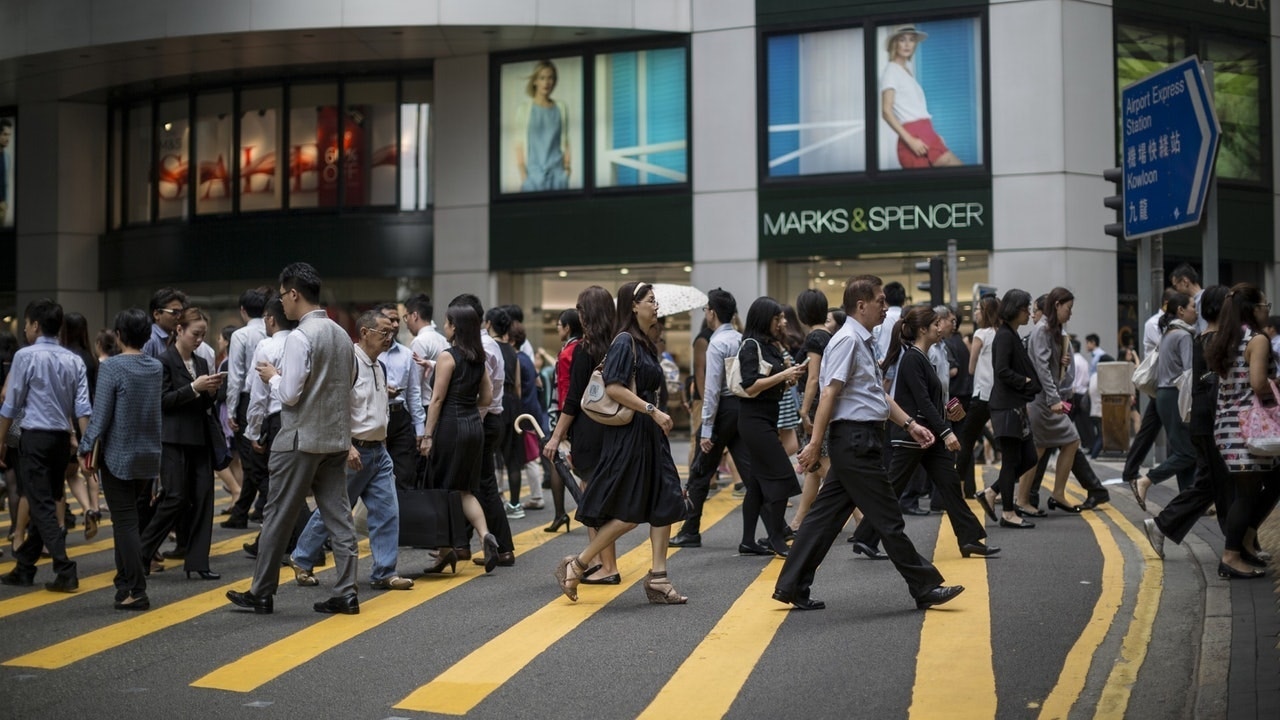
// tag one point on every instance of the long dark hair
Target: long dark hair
(1237, 313)
(596, 311)
(759, 322)
(989, 312)
(907, 331)
(794, 338)
(1171, 307)
(628, 296)
(1056, 297)
(466, 331)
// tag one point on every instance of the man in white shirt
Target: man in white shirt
(1186, 280)
(896, 295)
(427, 343)
(370, 472)
(404, 389)
(240, 350)
(495, 513)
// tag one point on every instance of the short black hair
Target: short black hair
(384, 307)
(723, 304)
(470, 300)
(133, 328)
(498, 320)
(420, 304)
(227, 331)
(569, 318)
(1093, 338)
(1186, 272)
(47, 314)
(517, 315)
(254, 300)
(164, 296)
(302, 277)
(895, 295)
(811, 307)
(1211, 302)
(275, 311)
(6, 124)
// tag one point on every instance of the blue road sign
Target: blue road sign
(1170, 136)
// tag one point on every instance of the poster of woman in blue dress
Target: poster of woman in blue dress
(541, 125)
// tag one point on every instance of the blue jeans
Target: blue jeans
(375, 483)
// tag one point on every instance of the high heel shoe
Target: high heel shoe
(205, 574)
(444, 556)
(569, 573)
(659, 590)
(490, 552)
(557, 523)
(1230, 573)
(1055, 505)
(987, 507)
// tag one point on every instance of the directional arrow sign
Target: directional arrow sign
(1170, 141)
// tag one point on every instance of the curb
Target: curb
(1214, 661)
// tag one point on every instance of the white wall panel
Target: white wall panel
(723, 14)
(201, 17)
(115, 21)
(669, 15)
(725, 226)
(302, 14)
(724, 110)
(488, 12)
(586, 13)
(1027, 87)
(373, 13)
(1029, 211)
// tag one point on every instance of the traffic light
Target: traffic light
(1115, 202)
(935, 285)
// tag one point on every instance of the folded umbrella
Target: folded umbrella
(562, 466)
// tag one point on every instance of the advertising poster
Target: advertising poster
(540, 125)
(641, 118)
(173, 174)
(930, 94)
(817, 103)
(370, 147)
(259, 179)
(8, 131)
(213, 174)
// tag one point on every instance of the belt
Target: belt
(397, 407)
(366, 444)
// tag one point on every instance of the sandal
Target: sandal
(569, 573)
(91, 520)
(659, 590)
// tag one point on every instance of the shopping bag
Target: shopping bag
(431, 517)
(1260, 426)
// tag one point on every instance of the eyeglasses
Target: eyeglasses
(1265, 306)
(175, 312)
(384, 333)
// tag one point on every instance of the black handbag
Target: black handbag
(431, 517)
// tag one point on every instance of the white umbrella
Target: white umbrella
(676, 299)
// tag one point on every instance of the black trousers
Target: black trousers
(123, 499)
(976, 417)
(724, 435)
(1148, 431)
(856, 480)
(43, 467)
(254, 465)
(402, 445)
(490, 498)
(186, 472)
(939, 464)
(1212, 485)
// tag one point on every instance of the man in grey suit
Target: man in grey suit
(309, 454)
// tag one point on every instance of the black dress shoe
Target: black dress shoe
(63, 584)
(781, 549)
(17, 579)
(914, 511)
(259, 605)
(753, 549)
(251, 549)
(938, 596)
(139, 602)
(978, 549)
(346, 605)
(234, 523)
(689, 540)
(255, 516)
(1030, 512)
(614, 579)
(872, 553)
(799, 603)
(205, 574)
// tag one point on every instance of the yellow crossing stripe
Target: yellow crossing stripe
(32, 600)
(258, 668)
(98, 641)
(468, 682)
(961, 630)
(709, 680)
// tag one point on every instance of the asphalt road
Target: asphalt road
(1071, 620)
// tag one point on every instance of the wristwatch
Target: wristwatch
(907, 425)
(649, 408)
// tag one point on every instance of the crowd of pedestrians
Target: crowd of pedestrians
(870, 411)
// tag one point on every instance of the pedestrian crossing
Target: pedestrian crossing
(710, 677)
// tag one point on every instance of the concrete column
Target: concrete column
(460, 174)
(61, 180)
(1271, 275)
(725, 243)
(1052, 117)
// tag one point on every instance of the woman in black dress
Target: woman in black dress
(596, 313)
(635, 480)
(1014, 386)
(453, 421)
(767, 373)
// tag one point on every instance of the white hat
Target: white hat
(903, 30)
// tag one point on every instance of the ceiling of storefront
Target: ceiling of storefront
(88, 73)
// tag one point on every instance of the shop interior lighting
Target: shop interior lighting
(563, 273)
(625, 271)
(688, 268)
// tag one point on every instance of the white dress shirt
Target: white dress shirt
(404, 373)
(428, 344)
(1151, 333)
(1080, 386)
(369, 414)
(295, 364)
(244, 342)
(883, 332)
(493, 361)
(723, 344)
(262, 402)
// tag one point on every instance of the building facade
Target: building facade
(522, 150)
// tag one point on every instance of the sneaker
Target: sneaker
(533, 503)
(394, 582)
(515, 512)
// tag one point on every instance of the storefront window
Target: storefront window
(260, 170)
(115, 180)
(369, 144)
(138, 172)
(214, 148)
(816, 103)
(172, 168)
(415, 144)
(540, 138)
(641, 118)
(313, 152)
(8, 130)
(1237, 77)
(929, 94)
